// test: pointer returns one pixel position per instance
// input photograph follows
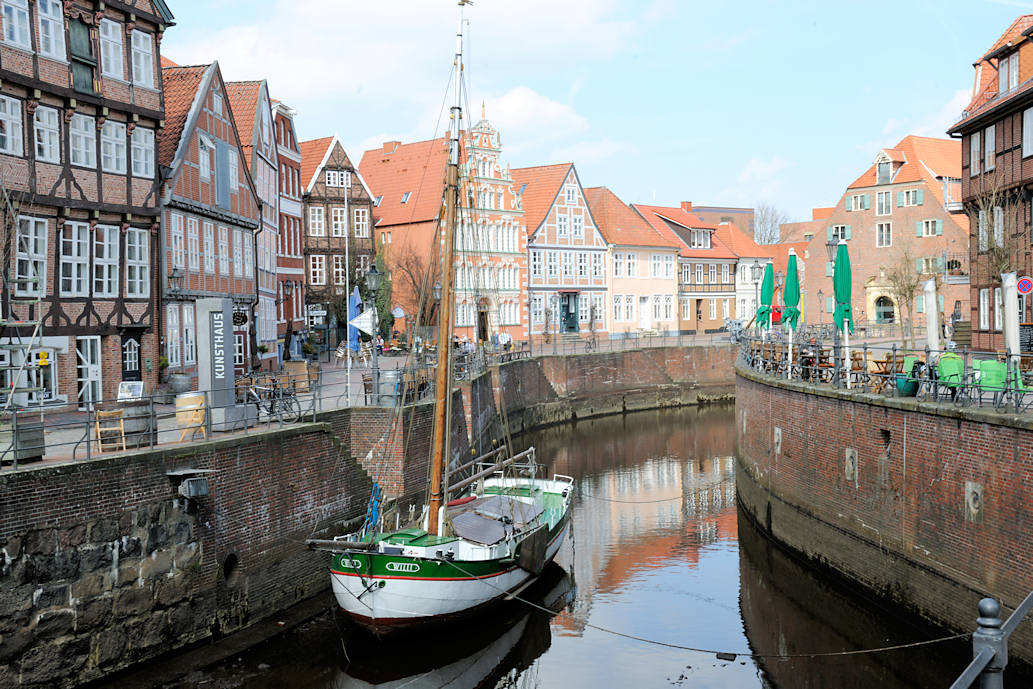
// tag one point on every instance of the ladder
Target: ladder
(21, 333)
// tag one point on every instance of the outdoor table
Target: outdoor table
(883, 375)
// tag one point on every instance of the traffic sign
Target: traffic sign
(1025, 285)
(364, 321)
(317, 312)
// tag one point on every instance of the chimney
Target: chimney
(686, 206)
(391, 146)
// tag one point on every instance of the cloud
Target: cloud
(587, 152)
(759, 180)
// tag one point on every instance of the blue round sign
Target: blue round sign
(1025, 285)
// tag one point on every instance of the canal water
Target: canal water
(660, 560)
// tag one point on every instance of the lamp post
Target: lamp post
(756, 271)
(831, 248)
(373, 278)
(287, 286)
(821, 306)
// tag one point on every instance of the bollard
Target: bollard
(893, 373)
(864, 362)
(989, 635)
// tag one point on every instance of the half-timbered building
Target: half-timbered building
(566, 283)
(290, 264)
(80, 104)
(210, 215)
(338, 211)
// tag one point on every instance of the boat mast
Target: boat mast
(446, 311)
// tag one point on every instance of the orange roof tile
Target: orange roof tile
(543, 185)
(821, 213)
(312, 154)
(740, 243)
(1011, 34)
(984, 90)
(670, 222)
(180, 86)
(394, 169)
(243, 101)
(165, 62)
(927, 158)
(621, 225)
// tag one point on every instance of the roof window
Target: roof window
(405, 197)
(376, 203)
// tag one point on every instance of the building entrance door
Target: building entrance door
(568, 312)
(88, 370)
(482, 324)
(643, 313)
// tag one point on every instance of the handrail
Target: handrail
(990, 644)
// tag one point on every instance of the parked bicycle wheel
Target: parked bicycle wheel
(289, 409)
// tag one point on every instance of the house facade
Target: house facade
(338, 211)
(642, 268)
(996, 169)
(210, 216)
(253, 115)
(80, 105)
(902, 221)
(705, 270)
(290, 256)
(566, 253)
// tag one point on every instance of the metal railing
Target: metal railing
(1001, 379)
(990, 644)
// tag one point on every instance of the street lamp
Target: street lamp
(756, 272)
(821, 306)
(175, 281)
(373, 278)
(287, 286)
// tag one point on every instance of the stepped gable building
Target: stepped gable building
(80, 105)
(566, 253)
(290, 258)
(996, 139)
(491, 243)
(904, 213)
(210, 216)
(706, 267)
(253, 115)
(642, 265)
(338, 211)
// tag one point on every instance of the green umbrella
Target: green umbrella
(791, 294)
(767, 295)
(841, 286)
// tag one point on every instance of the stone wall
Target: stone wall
(925, 505)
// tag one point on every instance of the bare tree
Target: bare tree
(415, 275)
(904, 279)
(996, 213)
(767, 219)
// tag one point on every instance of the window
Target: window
(973, 154)
(138, 280)
(597, 265)
(885, 168)
(75, 259)
(882, 203)
(113, 147)
(989, 147)
(205, 148)
(629, 307)
(568, 264)
(561, 225)
(238, 252)
(685, 308)
(713, 308)
(571, 193)
(339, 178)
(686, 273)
(578, 226)
(656, 263)
(911, 197)
(1027, 132)
(928, 265)
(48, 135)
(338, 222)
(858, 202)
(376, 201)
(538, 308)
(360, 222)
(315, 222)
(131, 354)
(582, 264)
(631, 264)
(172, 334)
(984, 309)
(105, 261)
(143, 59)
(16, 23)
(189, 342)
(618, 265)
(998, 226)
(725, 308)
(699, 239)
(10, 126)
(317, 269)
(582, 307)
(699, 273)
(143, 152)
(883, 235)
(725, 273)
(668, 307)
(51, 29)
(712, 274)
(32, 256)
(837, 232)
(224, 250)
(176, 231)
(217, 103)
(83, 140)
(928, 228)
(340, 270)
(1008, 73)
(618, 307)
(668, 266)
(984, 240)
(193, 245)
(536, 263)
(551, 264)
(997, 308)
(405, 197)
(656, 307)
(234, 170)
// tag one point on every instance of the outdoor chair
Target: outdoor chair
(190, 416)
(297, 373)
(110, 431)
(993, 378)
(367, 388)
(950, 373)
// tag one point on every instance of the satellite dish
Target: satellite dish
(397, 312)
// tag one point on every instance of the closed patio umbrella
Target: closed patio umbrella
(843, 316)
(767, 295)
(791, 297)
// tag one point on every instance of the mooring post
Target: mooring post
(989, 635)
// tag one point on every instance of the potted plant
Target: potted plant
(308, 349)
(263, 349)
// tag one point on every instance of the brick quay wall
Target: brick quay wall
(103, 567)
(925, 506)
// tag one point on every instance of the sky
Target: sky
(663, 101)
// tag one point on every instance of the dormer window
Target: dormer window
(885, 169)
(1008, 73)
(699, 239)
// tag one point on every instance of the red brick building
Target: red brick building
(996, 132)
(80, 105)
(290, 258)
(210, 216)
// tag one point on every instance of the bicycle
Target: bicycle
(275, 400)
(591, 344)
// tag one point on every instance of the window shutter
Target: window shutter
(918, 228)
(828, 268)
(920, 303)
(222, 178)
(900, 199)
(848, 203)
(939, 227)
(867, 201)
(847, 233)
(919, 199)
(940, 300)
(81, 50)
(830, 304)
(918, 266)
(939, 264)
(828, 233)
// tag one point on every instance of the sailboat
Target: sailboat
(479, 539)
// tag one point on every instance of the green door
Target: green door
(569, 315)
